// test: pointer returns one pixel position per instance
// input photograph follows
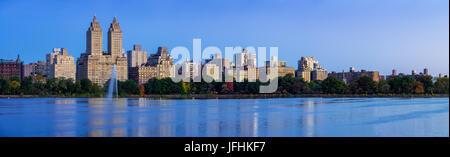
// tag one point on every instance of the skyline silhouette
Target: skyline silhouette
(371, 35)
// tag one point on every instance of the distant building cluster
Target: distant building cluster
(348, 77)
(413, 73)
(96, 65)
(141, 69)
(309, 69)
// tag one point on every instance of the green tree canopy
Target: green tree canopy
(333, 85)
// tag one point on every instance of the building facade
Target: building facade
(348, 77)
(61, 64)
(142, 74)
(319, 74)
(158, 66)
(95, 64)
(309, 69)
(10, 68)
(163, 61)
(283, 70)
(137, 56)
(28, 70)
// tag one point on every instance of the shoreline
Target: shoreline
(247, 96)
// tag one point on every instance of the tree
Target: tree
(14, 78)
(227, 88)
(149, 86)
(315, 86)
(27, 85)
(200, 87)
(333, 85)
(62, 86)
(427, 82)
(407, 84)
(186, 86)
(77, 87)
(300, 86)
(14, 87)
(39, 79)
(418, 87)
(384, 87)
(401, 84)
(96, 90)
(165, 86)
(4, 86)
(128, 87)
(363, 84)
(286, 83)
(141, 90)
(253, 87)
(441, 85)
(86, 85)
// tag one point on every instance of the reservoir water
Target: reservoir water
(284, 117)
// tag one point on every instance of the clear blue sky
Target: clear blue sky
(367, 34)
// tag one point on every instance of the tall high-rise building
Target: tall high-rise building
(244, 66)
(245, 59)
(413, 72)
(97, 65)
(94, 39)
(115, 38)
(60, 64)
(137, 56)
(394, 72)
(188, 70)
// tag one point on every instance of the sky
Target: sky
(377, 35)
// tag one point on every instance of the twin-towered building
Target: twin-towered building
(95, 64)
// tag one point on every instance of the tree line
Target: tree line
(288, 84)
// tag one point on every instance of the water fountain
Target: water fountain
(113, 84)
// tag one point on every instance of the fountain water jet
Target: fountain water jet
(113, 84)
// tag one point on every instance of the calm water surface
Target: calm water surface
(304, 117)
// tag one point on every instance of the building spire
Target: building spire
(115, 19)
(95, 18)
(18, 58)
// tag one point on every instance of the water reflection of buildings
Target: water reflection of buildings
(191, 118)
(308, 119)
(248, 121)
(292, 118)
(107, 117)
(65, 112)
(212, 120)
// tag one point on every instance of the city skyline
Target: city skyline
(429, 47)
